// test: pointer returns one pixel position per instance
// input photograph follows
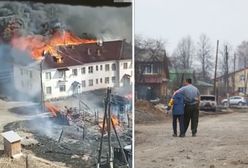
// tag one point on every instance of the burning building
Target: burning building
(71, 65)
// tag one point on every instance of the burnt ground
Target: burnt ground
(221, 142)
(40, 138)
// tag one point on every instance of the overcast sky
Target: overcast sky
(226, 20)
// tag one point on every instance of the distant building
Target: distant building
(151, 75)
(178, 76)
(84, 67)
(237, 83)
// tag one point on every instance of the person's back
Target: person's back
(178, 113)
(178, 104)
(191, 93)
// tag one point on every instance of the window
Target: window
(107, 80)
(113, 79)
(30, 74)
(83, 83)
(83, 70)
(148, 69)
(90, 69)
(61, 74)
(48, 75)
(96, 81)
(242, 77)
(114, 67)
(125, 65)
(49, 90)
(62, 88)
(101, 80)
(91, 82)
(100, 67)
(74, 72)
(107, 67)
(96, 67)
(98, 52)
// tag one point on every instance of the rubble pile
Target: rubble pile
(147, 112)
(76, 146)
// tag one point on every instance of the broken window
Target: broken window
(62, 88)
(49, 90)
(61, 74)
(48, 75)
(107, 80)
(107, 67)
(83, 70)
(91, 82)
(113, 79)
(74, 72)
(113, 67)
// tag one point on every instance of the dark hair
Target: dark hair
(189, 80)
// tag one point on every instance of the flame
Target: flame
(37, 45)
(115, 122)
(52, 108)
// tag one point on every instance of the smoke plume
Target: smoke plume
(37, 18)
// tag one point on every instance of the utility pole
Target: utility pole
(41, 88)
(215, 70)
(234, 69)
(227, 70)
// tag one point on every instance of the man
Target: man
(191, 108)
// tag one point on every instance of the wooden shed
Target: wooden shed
(12, 143)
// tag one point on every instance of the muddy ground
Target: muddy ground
(222, 141)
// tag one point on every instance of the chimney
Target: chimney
(100, 42)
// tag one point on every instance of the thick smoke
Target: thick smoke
(36, 18)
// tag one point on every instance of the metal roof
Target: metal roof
(11, 136)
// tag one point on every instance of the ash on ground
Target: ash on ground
(74, 146)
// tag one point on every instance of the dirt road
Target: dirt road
(222, 141)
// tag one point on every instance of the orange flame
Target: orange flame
(52, 108)
(115, 122)
(37, 45)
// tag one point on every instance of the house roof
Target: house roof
(144, 55)
(204, 84)
(11, 136)
(88, 53)
(243, 69)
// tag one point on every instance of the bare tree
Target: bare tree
(225, 64)
(242, 54)
(184, 53)
(204, 54)
(153, 46)
(149, 50)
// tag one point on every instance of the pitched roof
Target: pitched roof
(11, 136)
(88, 53)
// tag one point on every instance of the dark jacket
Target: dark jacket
(178, 104)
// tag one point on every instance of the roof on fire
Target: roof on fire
(89, 53)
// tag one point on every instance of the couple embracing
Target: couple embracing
(185, 108)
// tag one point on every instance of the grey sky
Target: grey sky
(171, 20)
